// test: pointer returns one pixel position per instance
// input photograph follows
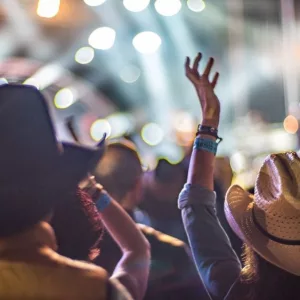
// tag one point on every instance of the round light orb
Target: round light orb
(94, 2)
(120, 124)
(152, 134)
(291, 124)
(33, 82)
(136, 5)
(48, 8)
(167, 8)
(146, 42)
(99, 128)
(102, 38)
(64, 98)
(84, 55)
(196, 5)
(130, 74)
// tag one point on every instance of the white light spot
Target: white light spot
(102, 38)
(167, 8)
(33, 82)
(120, 124)
(3, 81)
(84, 55)
(136, 5)
(130, 74)
(99, 128)
(196, 5)
(94, 2)
(152, 134)
(48, 8)
(64, 98)
(146, 42)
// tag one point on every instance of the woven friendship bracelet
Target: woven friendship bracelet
(103, 201)
(206, 145)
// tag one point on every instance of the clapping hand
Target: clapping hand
(209, 102)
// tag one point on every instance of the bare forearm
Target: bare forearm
(201, 169)
(133, 268)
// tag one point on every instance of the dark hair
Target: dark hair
(119, 169)
(265, 281)
(77, 226)
(167, 173)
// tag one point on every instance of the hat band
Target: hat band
(272, 237)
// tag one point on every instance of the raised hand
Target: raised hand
(209, 102)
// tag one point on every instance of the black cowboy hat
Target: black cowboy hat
(35, 169)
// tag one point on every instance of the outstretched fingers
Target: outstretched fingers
(215, 80)
(208, 67)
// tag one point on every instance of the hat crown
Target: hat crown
(278, 183)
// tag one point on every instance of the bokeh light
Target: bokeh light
(167, 8)
(136, 5)
(84, 55)
(102, 38)
(121, 124)
(48, 8)
(99, 128)
(152, 134)
(290, 124)
(238, 162)
(184, 122)
(32, 81)
(64, 98)
(196, 5)
(147, 42)
(130, 74)
(3, 81)
(94, 2)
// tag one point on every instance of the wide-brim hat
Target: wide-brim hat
(35, 169)
(269, 220)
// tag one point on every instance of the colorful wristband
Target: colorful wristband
(206, 145)
(103, 201)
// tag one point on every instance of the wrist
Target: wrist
(213, 122)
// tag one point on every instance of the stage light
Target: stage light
(130, 74)
(196, 5)
(48, 8)
(291, 124)
(238, 162)
(152, 134)
(33, 82)
(3, 81)
(64, 98)
(84, 55)
(136, 5)
(102, 38)
(99, 128)
(94, 2)
(146, 42)
(167, 8)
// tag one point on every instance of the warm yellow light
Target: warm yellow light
(291, 124)
(48, 8)
(99, 128)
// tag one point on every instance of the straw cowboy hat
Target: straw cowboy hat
(269, 221)
(35, 169)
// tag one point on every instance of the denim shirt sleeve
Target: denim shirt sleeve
(214, 257)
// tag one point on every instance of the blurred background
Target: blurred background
(116, 66)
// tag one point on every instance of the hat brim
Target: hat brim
(238, 210)
(80, 160)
